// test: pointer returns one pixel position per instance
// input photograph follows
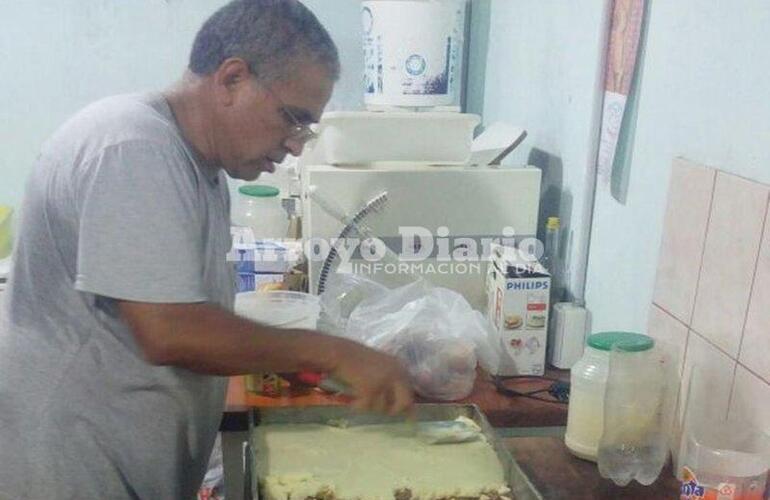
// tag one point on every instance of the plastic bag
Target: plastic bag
(342, 295)
(434, 331)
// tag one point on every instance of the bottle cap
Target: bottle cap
(553, 223)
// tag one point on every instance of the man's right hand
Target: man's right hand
(379, 382)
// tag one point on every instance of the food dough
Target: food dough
(371, 462)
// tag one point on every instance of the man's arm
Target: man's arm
(208, 339)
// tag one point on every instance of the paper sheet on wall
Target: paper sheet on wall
(625, 33)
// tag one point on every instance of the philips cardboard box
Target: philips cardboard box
(518, 293)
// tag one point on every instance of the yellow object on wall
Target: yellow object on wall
(6, 240)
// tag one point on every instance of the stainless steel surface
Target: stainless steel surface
(521, 487)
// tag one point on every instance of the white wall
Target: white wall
(536, 64)
(58, 56)
(703, 95)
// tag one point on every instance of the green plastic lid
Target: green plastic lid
(259, 190)
(626, 341)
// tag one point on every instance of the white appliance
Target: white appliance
(568, 334)
(470, 202)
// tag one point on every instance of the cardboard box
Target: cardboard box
(518, 294)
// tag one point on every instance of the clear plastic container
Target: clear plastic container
(719, 458)
(588, 384)
(281, 309)
(729, 458)
(259, 208)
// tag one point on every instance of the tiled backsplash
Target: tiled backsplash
(712, 291)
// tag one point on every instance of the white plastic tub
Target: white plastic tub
(280, 309)
(363, 138)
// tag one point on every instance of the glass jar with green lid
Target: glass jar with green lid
(258, 207)
(588, 384)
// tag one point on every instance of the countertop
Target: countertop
(558, 475)
(530, 429)
(500, 410)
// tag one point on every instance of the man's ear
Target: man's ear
(231, 75)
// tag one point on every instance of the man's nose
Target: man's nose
(294, 146)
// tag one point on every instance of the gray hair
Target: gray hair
(270, 35)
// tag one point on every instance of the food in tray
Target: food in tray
(372, 462)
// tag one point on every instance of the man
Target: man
(119, 329)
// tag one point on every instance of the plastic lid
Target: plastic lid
(627, 341)
(553, 223)
(259, 191)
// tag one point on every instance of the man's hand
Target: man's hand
(379, 382)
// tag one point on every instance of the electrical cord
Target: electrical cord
(558, 390)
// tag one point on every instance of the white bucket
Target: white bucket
(412, 52)
(279, 309)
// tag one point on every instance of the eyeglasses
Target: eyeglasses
(299, 131)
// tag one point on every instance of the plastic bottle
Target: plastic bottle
(551, 259)
(638, 411)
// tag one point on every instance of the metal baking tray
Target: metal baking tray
(520, 485)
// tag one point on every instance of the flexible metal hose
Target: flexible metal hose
(352, 228)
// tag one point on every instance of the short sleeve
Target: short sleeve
(140, 229)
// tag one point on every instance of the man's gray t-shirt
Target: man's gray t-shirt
(118, 207)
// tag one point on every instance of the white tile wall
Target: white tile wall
(663, 327)
(728, 332)
(755, 347)
(717, 370)
(684, 231)
(751, 399)
(729, 260)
